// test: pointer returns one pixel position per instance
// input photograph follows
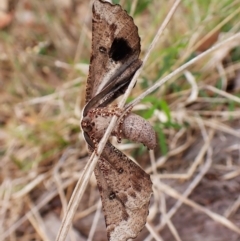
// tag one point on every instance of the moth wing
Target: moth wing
(125, 191)
(115, 45)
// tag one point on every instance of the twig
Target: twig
(95, 221)
(222, 93)
(191, 187)
(218, 218)
(153, 232)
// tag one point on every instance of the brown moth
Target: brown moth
(125, 189)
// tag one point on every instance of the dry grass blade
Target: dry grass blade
(179, 70)
(167, 220)
(223, 93)
(95, 221)
(38, 223)
(153, 232)
(218, 218)
(198, 160)
(171, 153)
(30, 186)
(194, 88)
(232, 209)
(192, 185)
(36, 208)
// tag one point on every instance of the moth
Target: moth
(125, 189)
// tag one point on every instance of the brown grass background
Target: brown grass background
(44, 55)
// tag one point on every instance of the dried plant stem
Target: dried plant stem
(37, 222)
(233, 208)
(197, 161)
(171, 153)
(75, 198)
(218, 218)
(193, 184)
(153, 232)
(209, 34)
(167, 220)
(222, 93)
(197, 179)
(176, 72)
(37, 207)
(150, 49)
(95, 221)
